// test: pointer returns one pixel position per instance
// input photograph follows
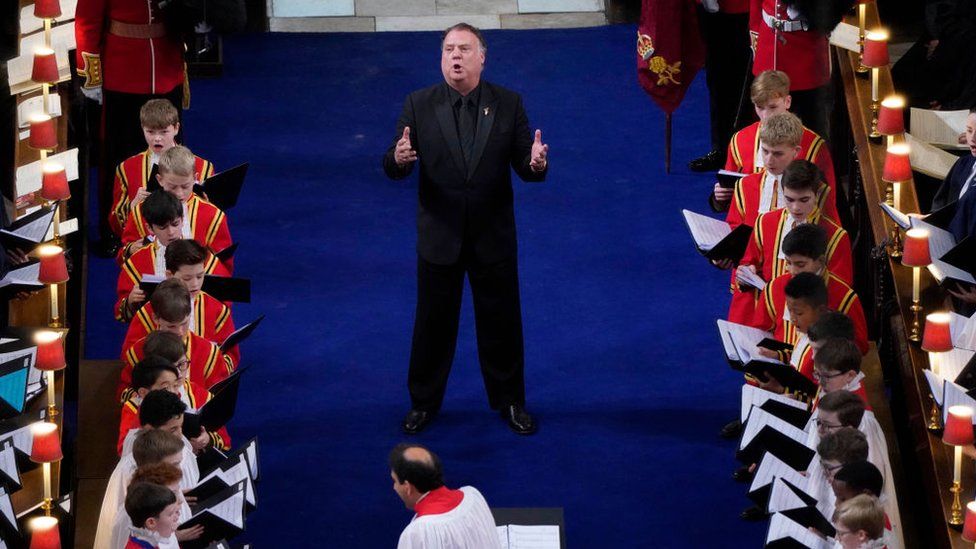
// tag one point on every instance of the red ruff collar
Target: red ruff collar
(439, 501)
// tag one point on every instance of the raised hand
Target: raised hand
(539, 153)
(404, 153)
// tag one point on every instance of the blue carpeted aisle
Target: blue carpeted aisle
(624, 367)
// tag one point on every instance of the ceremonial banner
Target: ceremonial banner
(670, 51)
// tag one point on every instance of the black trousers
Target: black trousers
(813, 107)
(122, 137)
(498, 322)
(728, 74)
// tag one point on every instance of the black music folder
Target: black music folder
(27, 232)
(227, 288)
(216, 412)
(227, 253)
(222, 516)
(714, 239)
(224, 188)
(240, 334)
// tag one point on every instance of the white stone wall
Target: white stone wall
(407, 15)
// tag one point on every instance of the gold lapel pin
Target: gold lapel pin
(486, 111)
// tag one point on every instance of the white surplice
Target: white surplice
(470, 525)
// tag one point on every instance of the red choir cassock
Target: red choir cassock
(763, 252)
(127, 42)
(208, 226)
(192, 394)
(747, 197)
(143, 262)
(208, 364)
(744, 150)
(840, 298)
(783, 43)
(212, 321)
(133, 174)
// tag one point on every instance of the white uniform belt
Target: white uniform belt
(785, 25)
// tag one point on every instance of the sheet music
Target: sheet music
(8, 461)
(23, 275)
(954, 395)
(66, 228)
(153, 278)
(770, 468)
(940, 242)
(236, 473)
(746, 341)
(732, 174)
(936, 385)
(846, 36)
(927, 159)
(533, 537)
(953, 362)
(29, 23)
(781, 527)
(251, 453)
(7, 508)
(963, 331)
(35, 105)
(759, 418)
(29, 176)
(940, 128)
(725, 332)
(231, 510)
(783, 498)
(706, 231)
(749, 278)
(897, 216)
(35, 230)
(754, 396)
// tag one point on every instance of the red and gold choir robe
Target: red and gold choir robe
(744, 151)
(193, 395)
(763, 252)
(208, 365)
(747, 198)
(106, 34)
(803, 55)
(212, 321)
(208, 226)
(133, 174)
(840, 297)
(143, 262)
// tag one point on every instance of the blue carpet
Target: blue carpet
(624, 368)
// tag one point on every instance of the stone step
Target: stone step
(436, 22)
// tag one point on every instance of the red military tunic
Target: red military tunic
(840, 298)
(143, 262)
(211, 320)
(128, 42)
(208, 225)
(133, 174)
(803, 55)
(208, 365)
(744, 150)
(763, 252)
(733, 6)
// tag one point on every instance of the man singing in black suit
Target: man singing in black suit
(466, 133)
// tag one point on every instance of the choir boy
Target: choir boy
(155, 514)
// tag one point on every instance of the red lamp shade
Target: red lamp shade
(969, 527)
(44, 533)
(959, 426)
(43, 132)
(46, 447)
(916, 250)
(50, 351)
(47, 9)
(53, 268)
(897, 165)
(54, 183)
(45, 69)
(891, 120)
(876, 49)
(937, 338)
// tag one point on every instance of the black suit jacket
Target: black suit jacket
(949, 190)
(470, 206)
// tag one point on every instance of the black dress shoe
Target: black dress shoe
(713, 161)
(518, 419)
(732, 430)
(743, 474)
(415, 421)
(752, 514)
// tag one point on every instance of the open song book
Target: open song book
(939, 128)
(27, 232)
(741, 344)
(785, 532)
(771, 468)
(221, 515)
(518, 536)
(715, 239)
(765, 432)
(789, 409)
(941, 243)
